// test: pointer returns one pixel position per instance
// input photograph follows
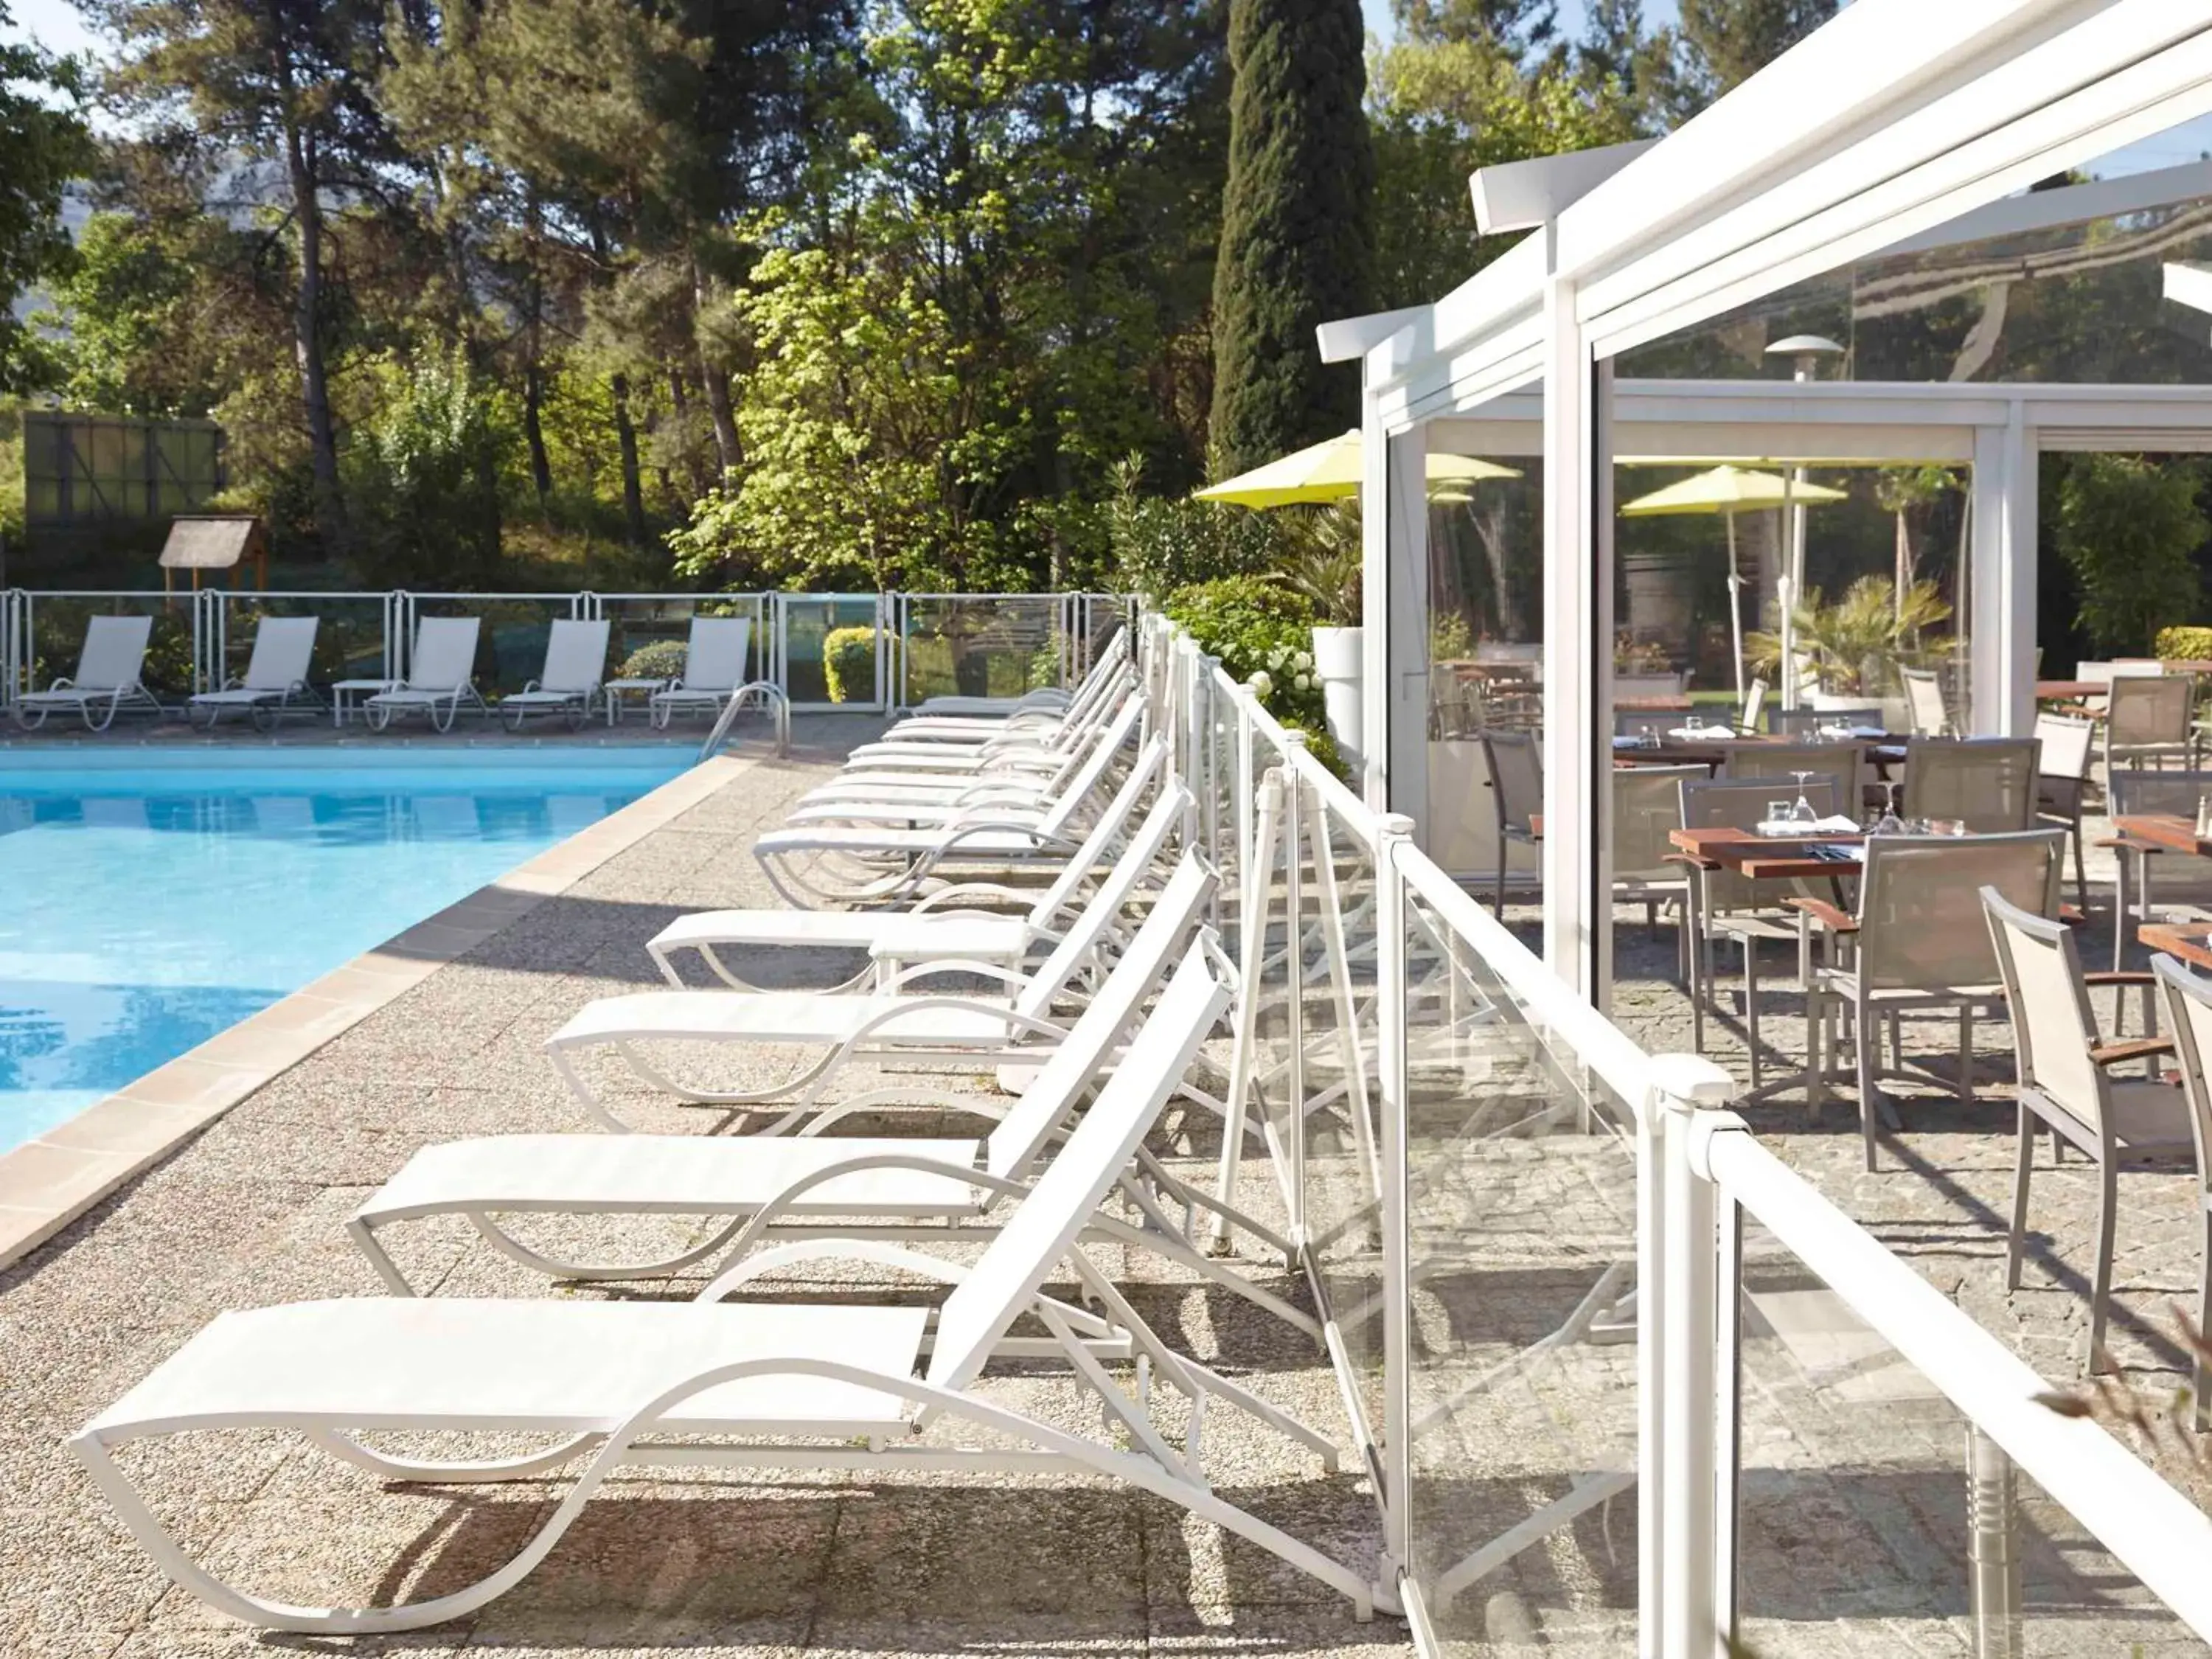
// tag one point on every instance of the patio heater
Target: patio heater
(1805, 352)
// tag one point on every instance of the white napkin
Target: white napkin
(1836, 825)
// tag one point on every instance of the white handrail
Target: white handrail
(2148, 1526)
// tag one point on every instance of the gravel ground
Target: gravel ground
(712, 1561)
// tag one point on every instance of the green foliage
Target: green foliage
(1263, 635)
(1297, 228)
(43, 137)
(424, 481)
(1160, 543)
(1719, 45)
(2183, 644)
(662, 659)
(2130, 527)
(1323, 562)
(1858, 643)
(848, 664)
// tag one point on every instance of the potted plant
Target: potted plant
(1324, 564)
(1857, 644)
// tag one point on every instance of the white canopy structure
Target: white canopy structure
(1897, 127)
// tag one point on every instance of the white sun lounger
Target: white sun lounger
(1027, 773)
(937, 928)
(905, 1188)
(276, 677)
(965, 746)
(892, 1024)
(922, 805)
(441, 676)
(714, 669)
(769, 1384)
(106, 681)
(572, 683)
(851, 864)
(1043, 700)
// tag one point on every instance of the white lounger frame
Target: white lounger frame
(108, 665)
(273, 685)
(571, 685)
(440, 676)
(970, 1329)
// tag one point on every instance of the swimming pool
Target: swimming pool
(147, 902)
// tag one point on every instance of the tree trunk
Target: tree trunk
(716, 380)
(1903, 580)
(533, 368)
(679, 394)
(307, 338)
(633, 486)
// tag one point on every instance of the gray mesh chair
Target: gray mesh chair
(1918, 943)
(2147, 718)
(1809, 722)
(2188, 998)
(1645, 722)
(1723, 904)
(1989, 783)
(1842, 763)
(1647, 809)
(2066, 1085)
(2151, 794)
(2062, 783)
(1516, 790)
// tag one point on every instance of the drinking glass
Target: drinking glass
(1803, 812)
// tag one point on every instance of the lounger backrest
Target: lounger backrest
(1099, 845)
(114, 651)
(714, 661)
(576, 656)
(1090, 926)
(444, 654)
(1080, 787)
(1022, 1133)
(1044, 1227)
(283, 648)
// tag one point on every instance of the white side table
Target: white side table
(616, 689)
(346, 696)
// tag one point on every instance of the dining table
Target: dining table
(2184, 941)
(2168, 831)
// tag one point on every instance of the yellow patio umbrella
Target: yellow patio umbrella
(1729, 490)
(1330, 471)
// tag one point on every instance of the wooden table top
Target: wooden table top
(2189, 942)
(2168, 830)
(2068, 690)
(1769, 858)
(1654, 705)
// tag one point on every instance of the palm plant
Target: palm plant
(1321, 562)
(1858, 644)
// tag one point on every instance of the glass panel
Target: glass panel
(647, 632)
(349, 636)
(993, 645)
(809, 621)
(1857, 1525)
(1485, 655)
(1521, 1390)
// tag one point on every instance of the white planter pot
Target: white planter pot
(1337, 653)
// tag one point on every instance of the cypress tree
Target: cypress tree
(1296, 231)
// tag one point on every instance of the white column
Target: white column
(2002, 596)
(1407, 762)
(1577, 652)
(1375, 584)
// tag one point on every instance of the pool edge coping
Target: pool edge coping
(52, 1179)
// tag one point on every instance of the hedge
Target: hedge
(2184, 645)
(848, 664)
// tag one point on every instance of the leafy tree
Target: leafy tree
(1900, 491)
(1296, 218)
(2130, 527)
(1514, 27)
(1719, 45)
(1612, 45)
(43, 135)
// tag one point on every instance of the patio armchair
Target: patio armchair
(1842, 764)
(2147, 718)
(1723, 904)
(1516, 762)
(1811, 722)
(1754, 700)
(2188, 998)
(1925, 706)
(1988, 784)
(1650, 685)
(1917, 943)
(1646, 722)
(2066, 1084)
(1647, 808)
(2062, 783)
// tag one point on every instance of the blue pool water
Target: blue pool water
(147, 902)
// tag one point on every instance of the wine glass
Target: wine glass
(1803, 812)
(1889, 823)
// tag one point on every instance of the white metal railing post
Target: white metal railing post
(1993, 1561)
(902, 627)
(885, 688)
(1252, 942)
(1296, 805)
(1687, 1499)
(14, 658)
(1393, 970)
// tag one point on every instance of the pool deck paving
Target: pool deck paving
(250, 1209)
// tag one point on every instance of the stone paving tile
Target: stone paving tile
(251, 1211)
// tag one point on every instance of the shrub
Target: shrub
(2183, 644)
(1162, 543)
(848, 664)
(663, 659)
(1257, 629)
(2130, 528)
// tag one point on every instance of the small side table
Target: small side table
(616, 689)
(346, 696)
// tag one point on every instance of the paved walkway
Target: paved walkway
(709, 1561)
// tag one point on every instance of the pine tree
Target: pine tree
(1295, 226)
(1720, 44)
(1518, 26)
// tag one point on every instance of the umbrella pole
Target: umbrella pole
(1736, 608)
